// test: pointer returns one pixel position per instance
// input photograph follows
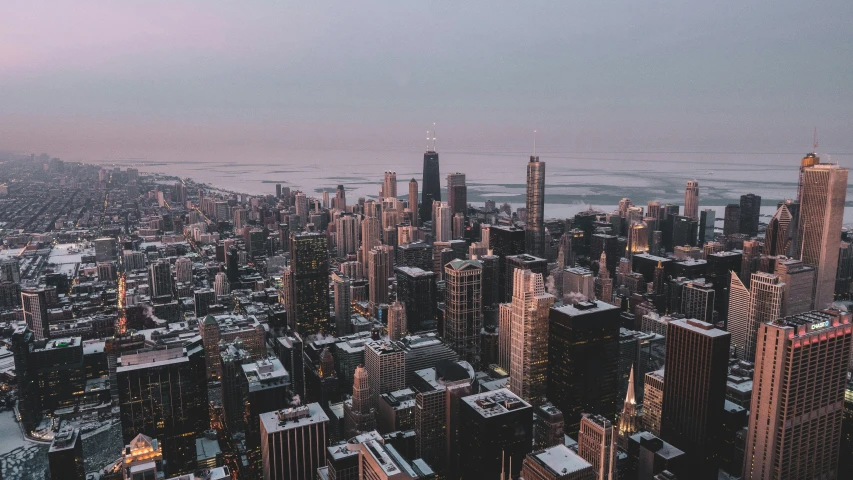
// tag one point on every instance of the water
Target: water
(574, 181)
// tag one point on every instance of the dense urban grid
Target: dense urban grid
(279, 335)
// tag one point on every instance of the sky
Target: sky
(192, 81)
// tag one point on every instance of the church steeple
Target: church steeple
(629, 421)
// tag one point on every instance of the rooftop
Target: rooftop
(583, 308)
(560, 460)
(290, 418)
(495, 403)
(699, 326)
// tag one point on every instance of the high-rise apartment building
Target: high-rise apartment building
(691, 200)
(389, 185)
(798, 396)
(442, 222)
(707, 221)
(824, 193)
(583, 359)
(697, 301)
(535, 225)
(346, 234)
(371, 236)
(528, 366)
(697, 357)
(431, 184)
(463, 308)
(309, 264)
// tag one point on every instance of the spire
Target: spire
(630, 398)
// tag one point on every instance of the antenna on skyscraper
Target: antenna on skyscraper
(433, 136)
(534, 143)
(427, 147)
(814, 145)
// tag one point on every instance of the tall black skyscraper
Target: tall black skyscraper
(750, 206)
(583, 360)
(432, 184)
(309, 261)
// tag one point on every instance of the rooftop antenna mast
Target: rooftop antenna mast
(814, 144)
(427, 141)
(534, 143)
(433, 136)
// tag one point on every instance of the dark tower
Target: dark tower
(432, 182)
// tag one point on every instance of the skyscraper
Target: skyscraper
(416, 289)
(377, 277)
(697, 301)
(457, 198)
(821, 215)
(798, 397)
(583, 360)
(293, 442)
(691, 200)
(707, 221)
(535, 228)
(528, 368)
(35, 312)
(413, 202)
(738, 317)
(343, 302)
(160, 279)
(340, 199)
(442, 225)
(696, 369)
(463, 308)
(163, 394)
(765, 306)
(431, 184)
(386, 368)
(371, 236)
(776, 236)
(309, 263)
(346, 234)
(750, 208)
(731, 219)
(359, 413)
(494, 425)
(597, 445)
(66, 455)
(389, 185)
(397, 321)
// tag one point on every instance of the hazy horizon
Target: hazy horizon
(200, 81)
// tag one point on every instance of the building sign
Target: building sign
(819, 325)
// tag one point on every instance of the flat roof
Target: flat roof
(498, 402)
(582, 308)
(561, 460)
(699, 326)
(290, 418)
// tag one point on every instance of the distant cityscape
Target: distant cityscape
(157, 328)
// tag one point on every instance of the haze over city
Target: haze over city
(223, 81)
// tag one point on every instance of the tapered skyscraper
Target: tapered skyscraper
(431, 184)
(691, 200)
(535, 229)
(821, 213)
